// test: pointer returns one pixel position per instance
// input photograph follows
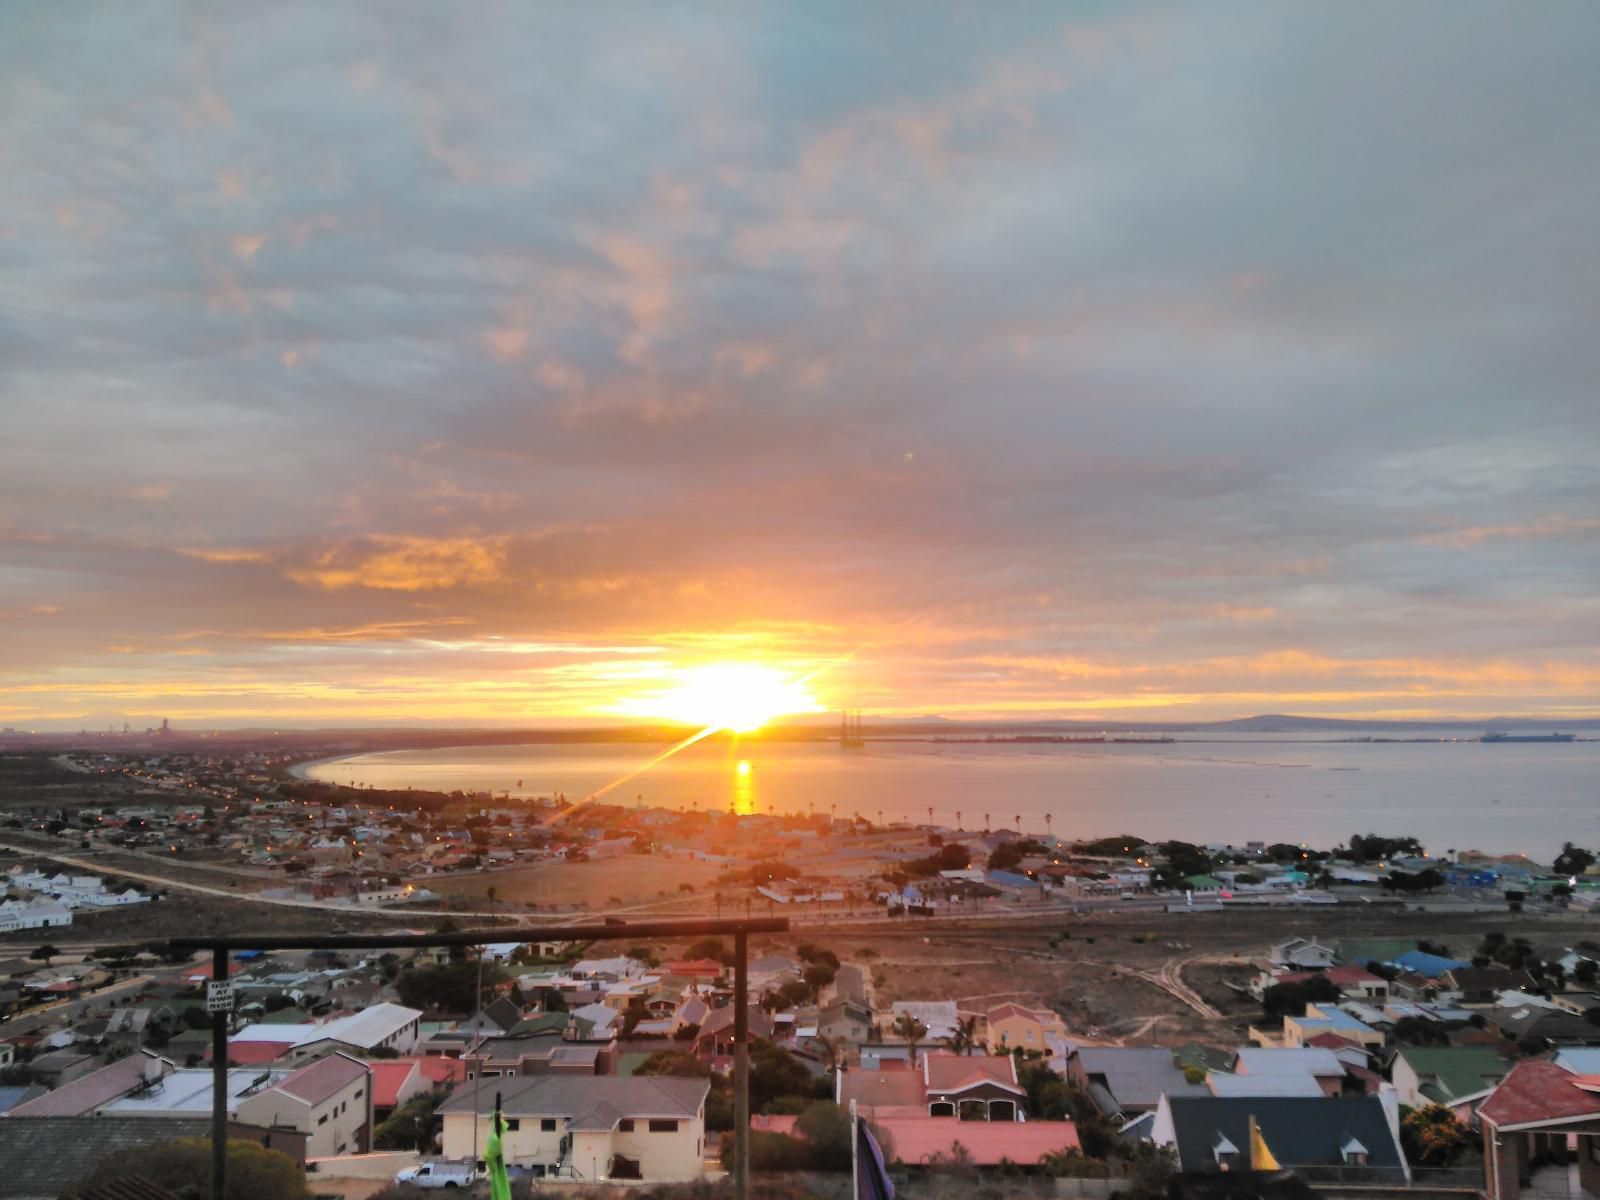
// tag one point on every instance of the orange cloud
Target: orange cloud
(407, 564)
(1554, 526)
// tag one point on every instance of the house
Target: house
(187, 1092)
(938, 1017)
(1303, 1133)
(603, 1127)
(88, 1093)
(394, 1081)
(383, 1026)
(1534, 1023)
(1458, 1077)
(1303, 953)
(1286, 1069)
(328, 1099)
(1528, 1119)
(1324, 1018)
(1129, 1080)
(1483, 985)
(62, 1066)
(973, 1087)
(846, 1021)
(1013, 1025)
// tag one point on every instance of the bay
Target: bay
(1453, 795)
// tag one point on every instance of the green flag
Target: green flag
(494, 1155)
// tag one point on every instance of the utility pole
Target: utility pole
(741, 1066)
(219, 1077)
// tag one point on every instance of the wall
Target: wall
(665, 1156)
(526, 1144)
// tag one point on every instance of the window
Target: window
(323, 1119)
(358, 1092)
(513, 1124)
(663, 1126)
(547, 1124)
(625, 1125)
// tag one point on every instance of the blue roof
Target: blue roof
(1430, 965)
(1011, 879)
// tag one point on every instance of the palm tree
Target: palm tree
(911, 1031)
(965, 1037)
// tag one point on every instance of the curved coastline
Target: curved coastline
(299, 769)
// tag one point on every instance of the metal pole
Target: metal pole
(741, 1066)
(219, 1083)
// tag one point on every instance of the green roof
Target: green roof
(1449, 1072)
(630, 1062)
(284, 1016)
(540, 1024)
(1204, 882)
(1360, 951)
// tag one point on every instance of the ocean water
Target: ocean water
(1525, 798)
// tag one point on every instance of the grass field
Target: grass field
(628, 880)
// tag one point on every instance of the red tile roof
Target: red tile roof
(88, 1092)
(255, 1054)
(388, 1077)
(988, 1143)
(878, 1089)
(1537, 1091)
(438, 1069)
(952, 1073)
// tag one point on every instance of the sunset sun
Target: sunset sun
(738, 697)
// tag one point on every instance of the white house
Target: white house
(1306, 953)
(589, 1127)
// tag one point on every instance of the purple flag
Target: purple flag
(872, 1177)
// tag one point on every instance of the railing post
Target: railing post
(219, 1083)
(741, 1065)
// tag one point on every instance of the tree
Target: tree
(911, 1031)
(1433, 1137)
(184, 1166)
(965, 1037)
(1290, 999)
(452, 987)
(826, 1130)
(45, 953)
(409, 1127)
(818, 976)
(1572, 860)
(775, 1072)
(633, 1014)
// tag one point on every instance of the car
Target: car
(1127, 895)
(439, 1175)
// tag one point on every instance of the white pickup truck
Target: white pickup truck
(439, 1175)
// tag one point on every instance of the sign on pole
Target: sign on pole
(219, 997)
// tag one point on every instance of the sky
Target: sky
(500, 363)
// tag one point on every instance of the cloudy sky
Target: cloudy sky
(496, 362)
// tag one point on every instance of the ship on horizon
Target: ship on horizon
(1495, 735)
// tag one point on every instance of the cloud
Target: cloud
(406, 564)
(1053, 362)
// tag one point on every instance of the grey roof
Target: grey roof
(1136, 1076)
(587, 1101)
(1300, 1131)
(45, 1158)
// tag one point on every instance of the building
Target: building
(972, 1087)
(328, 1099)
(1304, 953)
(1458, 1077)
(1326, 1137)
(938, 1017)
(846, 1021)
(1129, 1080)
(1013, 1025)
(593, 1128)
(1528, 1119)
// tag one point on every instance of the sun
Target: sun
(738, 697)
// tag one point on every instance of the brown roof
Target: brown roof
(883, 1089)
(87, 1093)
(1537, 1091)
(316, 1081)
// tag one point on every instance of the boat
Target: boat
(1496, 736)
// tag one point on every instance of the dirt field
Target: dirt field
(631, 880)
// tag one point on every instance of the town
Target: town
(998, 1003)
